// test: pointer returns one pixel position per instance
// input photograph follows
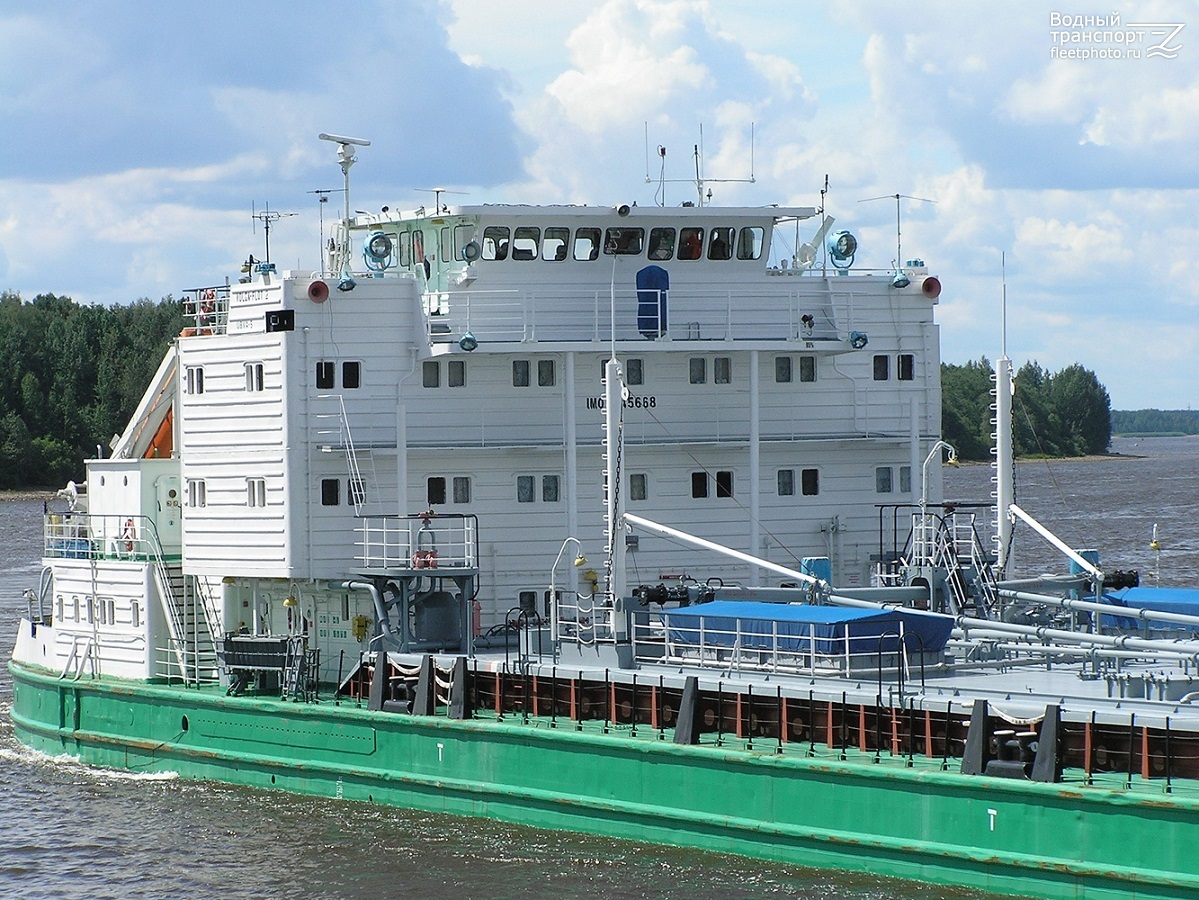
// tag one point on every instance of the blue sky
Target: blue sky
(139, 134)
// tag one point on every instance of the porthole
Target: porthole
(183, 724)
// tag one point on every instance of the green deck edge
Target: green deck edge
(1012, 837)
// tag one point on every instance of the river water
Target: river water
(71, 831)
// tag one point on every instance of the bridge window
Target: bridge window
(661, 243)
(623, 241)
(720, 243)
(691, 243)
(525, 242)
(495, 242)
(553, 248)
(404, 249)
(751, 242)
(587, 243)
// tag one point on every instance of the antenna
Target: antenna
(1003, 302)
(438, 209)
(266, 217)
(345, 158)
(699, 180)
(897, 198)
(322, 199)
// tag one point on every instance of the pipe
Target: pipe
(1128, 612)
(377, 597)
(1052, 538)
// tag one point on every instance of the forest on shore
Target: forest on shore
(74, 374)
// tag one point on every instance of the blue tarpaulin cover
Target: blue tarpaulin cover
(796, 625)
(1174, 600)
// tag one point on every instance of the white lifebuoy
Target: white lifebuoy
(471, 251)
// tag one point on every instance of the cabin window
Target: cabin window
(634, 371)
(661, 243)
(461, 489)
(326, 375)
(553, 248)
(623, 241)
(720, 243)
(751, 242)
(905, 479)
(525, 242)
(404, 249)
(431, 374)
(520, 373)
(697, 370)
(699, 485)
(463, 235)
(330, 492)
(254, 376)
(456, 373)
(786, 482)
(638, 486)
(882, 480)
(809, 482)
(195, 379)
(587, 243)
(724, 484)
(255, 492)
(722, 370)
(357, 493)
(691, 243)
(545, 373)
(551, 486)
(197, 493)
(525, 488)
(882, 367)
(782, 369)
(418, 247)
(351, 375)
(447, 243)
(807, 368)
(435, 490)
(495, 242)
(906, 368)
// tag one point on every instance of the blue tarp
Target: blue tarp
(1173, 600)
(795, 626)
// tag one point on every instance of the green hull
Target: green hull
(919, 823)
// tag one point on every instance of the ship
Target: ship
(622, 519)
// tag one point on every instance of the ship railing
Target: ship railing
(553, 313)
(423, 541)
(586, 619)
(757, 645)
(100, 536)
(206, 310)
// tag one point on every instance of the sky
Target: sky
(1049, 146)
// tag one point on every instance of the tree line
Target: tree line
(74, 374)
(1066, 413)
(72, 377)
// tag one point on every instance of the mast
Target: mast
(1004, 477)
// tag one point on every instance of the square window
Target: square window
(549, 488)
(882, 367)
(906, 370)
(786, 482)
(525, 242)
(697, 370)
(524, 488)
(624, 241)
(456, 373)
(782, 369)
(495, 242)
(882, 480)
(461, 489)
(638, 486)
(553, 247)
(431, 374)
(809, 482)
(751, 242)
(807, 368)
(520, 373)
(545, 373)
(661, 243)
(435, 490)
(330, 492)
(720, 243)
(699, 484)
(724, 484)
(634, 371)
(691, 243)
(722, 370)
(586, 246)
(326, 373)
(351, 375)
